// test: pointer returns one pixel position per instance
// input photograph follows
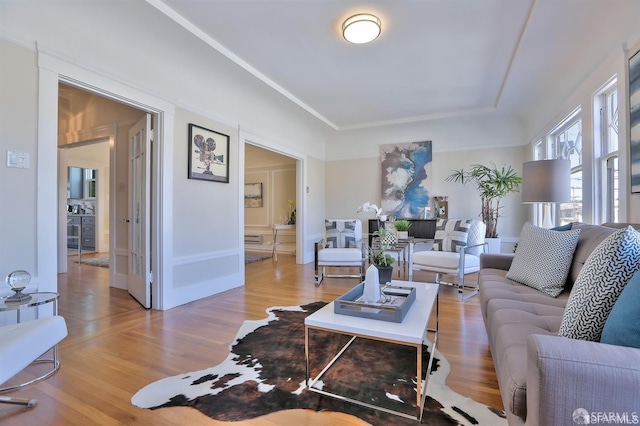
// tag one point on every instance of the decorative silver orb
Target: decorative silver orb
(18, 281)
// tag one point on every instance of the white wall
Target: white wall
(347, 190)
(206, 224)
(475, 131)
(18, 127)
(207, 88)
(353, 166)
(544, 120)
(314, 192)
(213, 90)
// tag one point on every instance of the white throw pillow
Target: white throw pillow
(604, 275)
(451, 235)
(543, 258)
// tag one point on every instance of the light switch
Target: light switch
(20, 160)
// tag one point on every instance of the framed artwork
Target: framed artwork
(208, 154)
(442, 207)
(634, 120)
(406, 178)
(252, 195)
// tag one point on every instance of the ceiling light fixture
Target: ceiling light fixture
(361, 28)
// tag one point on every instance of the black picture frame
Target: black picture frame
(208, 154)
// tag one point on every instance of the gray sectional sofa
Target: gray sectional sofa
(545, 379)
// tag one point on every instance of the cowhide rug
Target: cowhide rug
(265, 372)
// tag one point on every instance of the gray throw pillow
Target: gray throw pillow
(604, 275)
(543, 258)
(451, 235)
(340, 233)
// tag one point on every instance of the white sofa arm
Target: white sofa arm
(564, 375)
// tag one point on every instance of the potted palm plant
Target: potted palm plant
(492, 184)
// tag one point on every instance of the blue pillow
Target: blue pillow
(622, 327)
(566, 227)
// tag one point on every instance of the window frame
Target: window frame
(551, 153)
(607, 184)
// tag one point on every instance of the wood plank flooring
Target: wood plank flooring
(115, 347)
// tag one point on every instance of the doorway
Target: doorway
(51, 72)
(84, 170)
(93, 144)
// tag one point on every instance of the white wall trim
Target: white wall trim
(203, 257)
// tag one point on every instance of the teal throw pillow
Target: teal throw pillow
(566, 227)
(623, 325)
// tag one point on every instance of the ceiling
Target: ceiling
(433, 59)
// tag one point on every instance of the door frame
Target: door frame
(247, 137)
(63, 164)
(51, 71)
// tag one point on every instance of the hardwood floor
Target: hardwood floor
(115, 347)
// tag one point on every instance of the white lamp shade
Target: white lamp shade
(361, 28)
(546, 181)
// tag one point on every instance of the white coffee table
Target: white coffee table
(410, 332)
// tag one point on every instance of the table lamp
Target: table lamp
(546, 181)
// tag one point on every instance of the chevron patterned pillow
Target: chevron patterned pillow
(603, 277)
(543, 258)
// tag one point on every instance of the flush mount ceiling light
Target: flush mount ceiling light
(361, 28)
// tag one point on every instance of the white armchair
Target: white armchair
(25, 343)
(456, 252)
(341, 247)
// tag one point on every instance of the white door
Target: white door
(139, 277)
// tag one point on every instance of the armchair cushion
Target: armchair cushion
(444, 262)
(341, 234)
(603, 277)
(543, 258)
(451, 235)
(340, 256)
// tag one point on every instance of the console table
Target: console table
(420, 228)
(275, 228)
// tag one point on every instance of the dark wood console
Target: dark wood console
(420, 228)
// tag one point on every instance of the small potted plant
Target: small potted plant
(402, 226)
(292, 213)
(381, 260)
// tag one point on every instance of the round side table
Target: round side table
(37, 299)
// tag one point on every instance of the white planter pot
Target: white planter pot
(494, 244)
(403, 235)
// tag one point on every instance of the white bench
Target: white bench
(24, 343)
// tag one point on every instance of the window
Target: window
(608, 158)
(566, 143)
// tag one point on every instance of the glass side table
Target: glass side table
(37, 299)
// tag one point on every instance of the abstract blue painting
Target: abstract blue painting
(634, 120)
(406, 178)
